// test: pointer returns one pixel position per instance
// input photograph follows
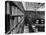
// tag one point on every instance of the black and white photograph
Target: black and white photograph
(24, 17)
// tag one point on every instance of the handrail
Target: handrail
(14, 27)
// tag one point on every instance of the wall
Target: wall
(16, 11)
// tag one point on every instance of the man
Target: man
(27, 21)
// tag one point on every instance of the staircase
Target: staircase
(26, 29)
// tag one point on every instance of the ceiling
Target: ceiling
(30, 6)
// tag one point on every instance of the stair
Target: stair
(26, 29)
